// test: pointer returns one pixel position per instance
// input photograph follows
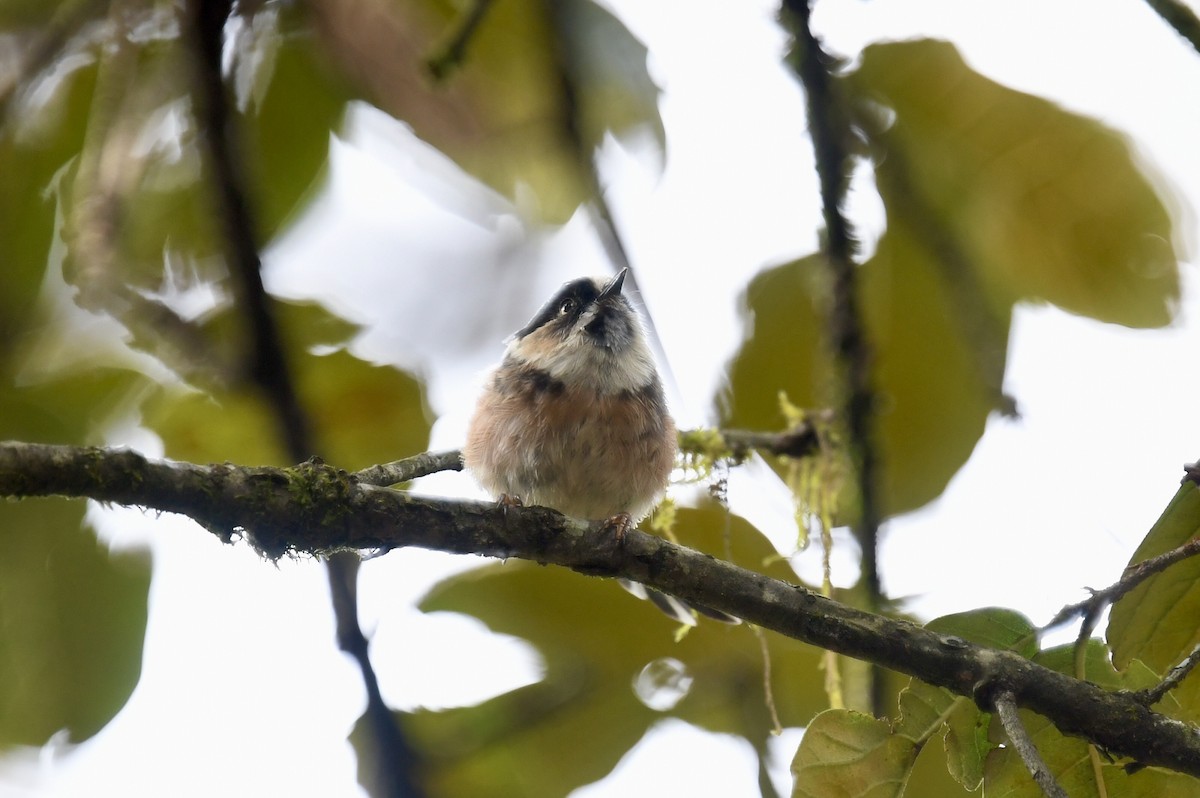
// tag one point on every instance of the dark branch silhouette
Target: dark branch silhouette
(268, 370)
(832, 134)
(1180, 17)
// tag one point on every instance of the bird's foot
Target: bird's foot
(505, 501)
(619, 524)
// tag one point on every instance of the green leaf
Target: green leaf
(924, 709)
(537, 88)
(996, 627)
(73, 616)
(38, 13)
(1158, 622)
(933, 398)
(595, 641)
(1067, 757)
(34, 146)
(1042, 203)
(992, 196)
(362, 414)
(851, 755)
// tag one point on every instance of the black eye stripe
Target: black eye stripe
(579, 292)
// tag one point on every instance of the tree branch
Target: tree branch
(1006, 709)
(1171, 680)
(1091, 607)
(316, 508)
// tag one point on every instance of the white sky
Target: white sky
(243, 691)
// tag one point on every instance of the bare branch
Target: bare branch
(1091, 607)
(1172, 680)
(800, 441)
(1006, 709)
(410, 468)
(316, 508)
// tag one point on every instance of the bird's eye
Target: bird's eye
(567, 306)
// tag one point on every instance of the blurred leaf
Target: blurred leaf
(73, 616)
(140, 193)
(33, 148)
(362, 414)
(1158, 622)
(291, 106)
(538, 87)
(40, 14)
(992, 196)
(309, 325)
(1043, 203)
(574, 726)
(64, 409)
(851, 755)
(366, 414)
(1067, 757)
(933, 399)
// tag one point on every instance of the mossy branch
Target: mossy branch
(316, 508)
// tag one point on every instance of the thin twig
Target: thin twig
(768, 691)
(1172, 680)
(831, 131)
(410, 468)
(1006, 708)
(1180, 17)
(1091, 607)
(793, 443)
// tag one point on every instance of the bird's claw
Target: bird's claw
(619, 524)
(505, 501)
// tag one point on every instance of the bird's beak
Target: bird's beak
(614, 286)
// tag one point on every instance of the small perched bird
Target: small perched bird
(574, 418)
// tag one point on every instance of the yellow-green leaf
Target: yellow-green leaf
(933, 398)
(851, 755)
(1158, 622)
(595, 641)
(72, 615)
(361, 413)
(1067, 757)
(1043, 203)
(536, 88)
(924, 708)
(73, 619)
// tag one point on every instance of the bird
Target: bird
(575, 418)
